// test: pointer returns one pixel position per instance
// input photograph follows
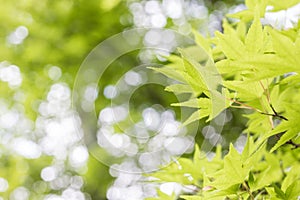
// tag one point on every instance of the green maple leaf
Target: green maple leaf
(290, 128)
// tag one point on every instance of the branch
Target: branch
(274, 115)
(246, 106)
(295, 145)
(277, 115)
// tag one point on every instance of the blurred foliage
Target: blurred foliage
(60, 33)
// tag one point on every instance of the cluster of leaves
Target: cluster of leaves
(248, 66)
(254, 174)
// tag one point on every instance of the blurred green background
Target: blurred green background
(42, 45)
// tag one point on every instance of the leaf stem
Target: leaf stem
(248, 190)
(244, 105)
(266, 90)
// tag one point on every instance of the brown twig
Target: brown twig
(277, 115)
(274, 114)
(246, 106)
(295, 145)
